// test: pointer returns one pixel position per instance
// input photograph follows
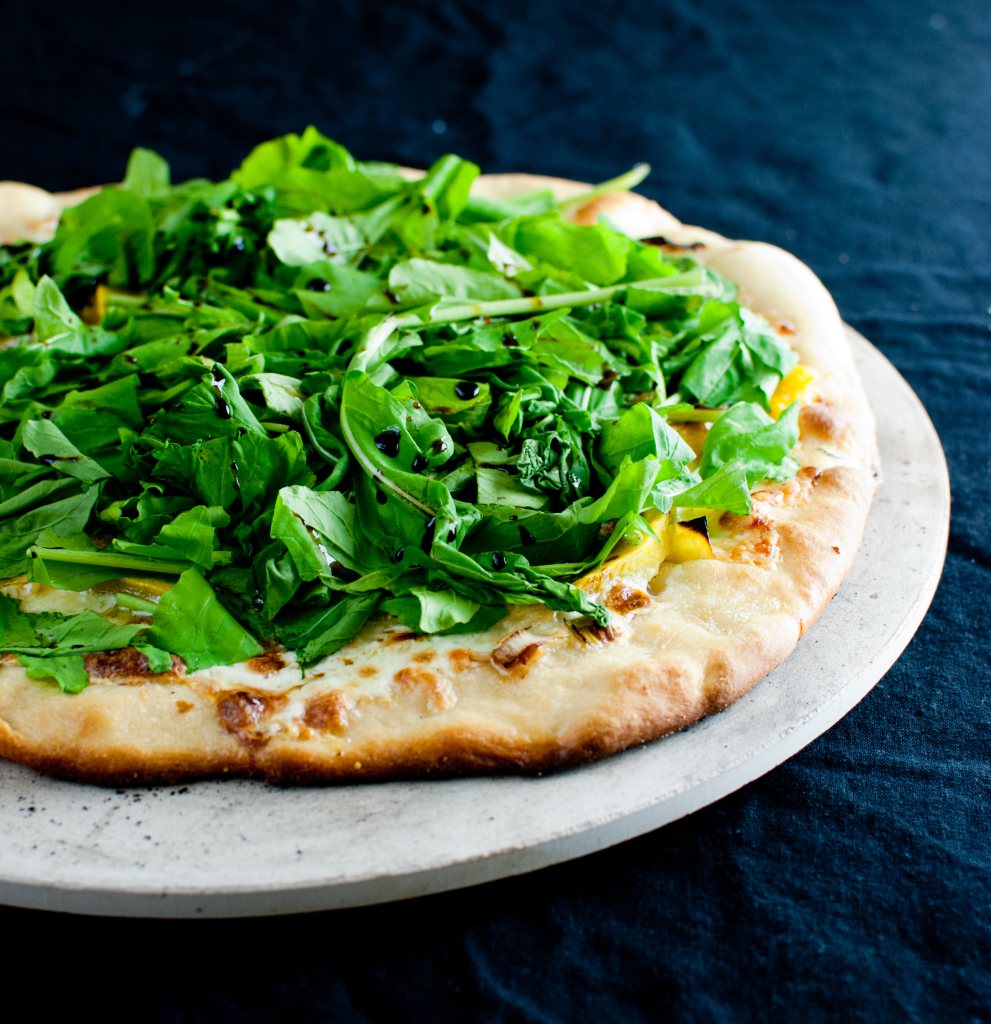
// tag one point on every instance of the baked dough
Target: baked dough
(531, 694)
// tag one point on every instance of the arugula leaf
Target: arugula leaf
(68, 575)
(432, 611)
(69, 671)
(311, 172)
(87, 632)
(158, 660)
(595, 253)
(43, 439)
(16, 629)
(191, 622)
(319, 529)
(64, 517)
(375, 429)
(191, 535)
(418, 281)
(478, 209)
(315, 634)
(282, 394)
(213, 408)
(34, 495)
(726, 490)
(454, 401)
(746, 434)
(110, 233)
(147, 174)
(52, 314)
(641, 432)
(540, 536)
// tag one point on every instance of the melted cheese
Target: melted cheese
(244, 676)
(36, 598)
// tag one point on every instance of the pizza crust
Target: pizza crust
(535, 693)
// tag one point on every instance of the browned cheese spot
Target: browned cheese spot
(367, 671)
(625, 599)
(818, 422)
(347, 661)
(184, 706)
(327, 711)
(790, 493)
(461, 658)
(410, 677)
(424, 657)
(440, 693)
(756, 535)
(270, 661)
(240, 713)
(128, 666)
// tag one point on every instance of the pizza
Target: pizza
(336, 470)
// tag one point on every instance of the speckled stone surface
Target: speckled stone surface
(239, 848)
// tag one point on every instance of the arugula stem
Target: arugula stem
(138, 604)
(508, 307)
(111, 560)
(622, 183)
(691, 415)
(276, 428)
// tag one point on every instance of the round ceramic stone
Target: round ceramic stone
(244, 848)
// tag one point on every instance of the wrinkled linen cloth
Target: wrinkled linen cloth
(853, 883)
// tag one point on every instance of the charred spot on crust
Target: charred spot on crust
(327, 711)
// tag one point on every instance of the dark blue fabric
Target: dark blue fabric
(854, 882)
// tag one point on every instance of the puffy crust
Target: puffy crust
(713, 628)
(30, 214)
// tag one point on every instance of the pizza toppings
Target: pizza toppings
(517, 650)
(317, 392)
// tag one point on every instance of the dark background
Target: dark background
(850, 884)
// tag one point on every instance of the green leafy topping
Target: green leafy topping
(68, 671)
(316, 392)
(191, 622)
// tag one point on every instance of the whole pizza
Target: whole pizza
(337, 470)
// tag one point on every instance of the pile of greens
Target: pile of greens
(317, 390)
